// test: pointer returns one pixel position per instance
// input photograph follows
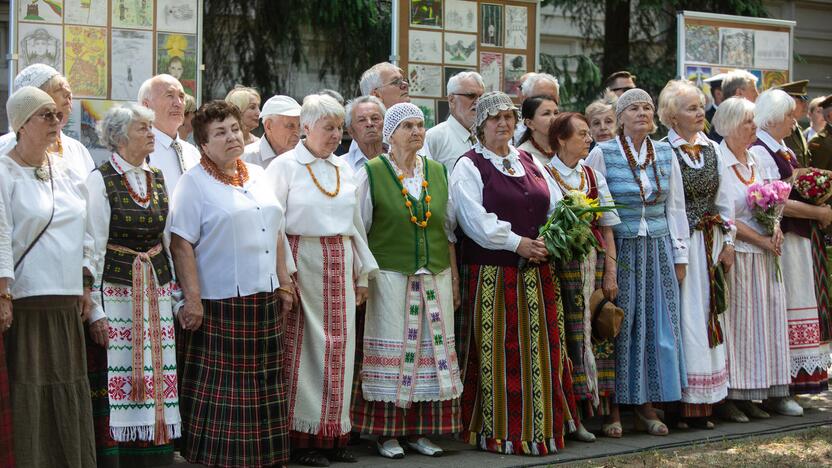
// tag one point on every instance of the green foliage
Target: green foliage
(575, 92)
(262, 43)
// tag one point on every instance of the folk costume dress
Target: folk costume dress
(517, 395)
(710, 222)
(409, 375)
(652, 236)
(128, 211)
(233, 390)
(593, 358)
(754, 326)
(802, 247)
(47, 366)
(329, 247)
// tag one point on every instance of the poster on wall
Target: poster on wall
(491, 25)
(460, 49)
(86, 12)
(701, 43)
(737, 47)
(133, 51)
(515, 67)
(86, 60)
(491, 70)
(425, 46)
(771, 50)
(517, 21)
(425, 80)
(176, 56)
(426, 13)
(134, 14)
(428, 108)
(176, 16)
(461, 16)
(40, 43)
(46, 11)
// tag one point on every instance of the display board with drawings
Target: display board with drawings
(107, 49)
(440, 38)
(710, 44)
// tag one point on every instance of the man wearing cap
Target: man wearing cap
(820, 147)
(816, 120)
(281, 122)
(56, 86)
(164, 95)
(796, 141)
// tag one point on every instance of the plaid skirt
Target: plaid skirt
(233, 394)
(6, 445)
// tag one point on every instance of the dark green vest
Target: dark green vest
(397, 243)
(134, 227)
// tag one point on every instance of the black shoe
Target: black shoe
(309, 458)
(342, 455)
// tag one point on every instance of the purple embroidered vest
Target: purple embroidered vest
(521, 201)
(801, 227)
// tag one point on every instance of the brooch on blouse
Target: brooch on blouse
(507, 166)
(42, 173)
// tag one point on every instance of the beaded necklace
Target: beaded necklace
(745, 181)
(400, 176)
(317, 184)
(548, 154)
(562, 183)
(239, 179)
(649, 160)
(140, 199)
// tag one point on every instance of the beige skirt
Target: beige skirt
(50, 392)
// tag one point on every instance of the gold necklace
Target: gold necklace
(317, 184)
(556, 174)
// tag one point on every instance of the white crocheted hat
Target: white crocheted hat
(397, 114)
(34, 75)
(491, 104)
(24, 103)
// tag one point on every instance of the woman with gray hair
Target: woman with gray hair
(127, 216)
(327, 239)
(518, 388)
(803, 245)
(754, 325)
(652, 241)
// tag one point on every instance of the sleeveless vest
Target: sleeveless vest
(521, 201)
(701, 185)
(801, 227)
(134, 227)
(625, 190)
(396, 243)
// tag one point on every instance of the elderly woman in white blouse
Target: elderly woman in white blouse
(329, 246)
(756, 335)
(128, 212)
(229, 252)
(45, 209)
(710, 223)
(652, 241)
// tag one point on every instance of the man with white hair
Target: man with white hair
(537, 84)
(281, 124)
(452, 138)
(740, 83)
(364, 121)
(386, 82)
(57, 87)
(164, 95)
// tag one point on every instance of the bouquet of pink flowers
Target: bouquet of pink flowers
(766, 202)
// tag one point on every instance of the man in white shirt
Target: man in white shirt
(452, 138)
(537, 84)
(364, 121)
(281, 122)
(164, 95)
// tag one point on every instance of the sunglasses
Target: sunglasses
(400, 83)
(49, 115)
(471, 96)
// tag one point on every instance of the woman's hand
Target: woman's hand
(287, 300)
(361, 293)
(190, 316)
(533, 249)
(86, 304)
(610, 285)
(457, 294)
(5, 314)
(681, 271)
(726, 257)
(824, 215)
(100, 332)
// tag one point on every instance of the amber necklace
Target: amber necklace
(400, 176)
(548, 154)
(742, 179)
(649, 160)
(318, 184)
(238, 179)
(562, 183)
(140, 199)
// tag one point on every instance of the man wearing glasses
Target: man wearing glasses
(452, 138)
(386, 82)
(620, 82)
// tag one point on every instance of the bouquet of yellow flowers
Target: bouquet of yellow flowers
(568, 232)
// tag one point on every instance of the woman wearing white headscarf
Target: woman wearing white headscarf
(410, 375)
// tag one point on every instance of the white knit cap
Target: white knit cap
(34, 75)
(491, 104)
(24, 103)
(630, 97)
(397, 114)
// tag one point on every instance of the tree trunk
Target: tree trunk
(616, 36)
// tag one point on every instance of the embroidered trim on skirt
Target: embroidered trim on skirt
(50, 393)
(233, 398)
(6, 435)
(756, 334)
(517, 395)
(650, 363)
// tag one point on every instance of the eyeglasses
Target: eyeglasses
(471, 96)
(622, 88)
(49, 115)
(400, 83)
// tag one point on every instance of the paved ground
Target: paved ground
(818, 413)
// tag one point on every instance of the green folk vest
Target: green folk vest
(397, 243)
(134, 227)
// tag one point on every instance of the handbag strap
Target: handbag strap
(51, 216)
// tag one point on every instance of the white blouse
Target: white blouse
(310, 212)
(677, 220)
(77, 156)
(483, 227)
(54, 265)
(764, 158)
(6, 262)
(234, 231)
(733, 191)
(572, 177)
